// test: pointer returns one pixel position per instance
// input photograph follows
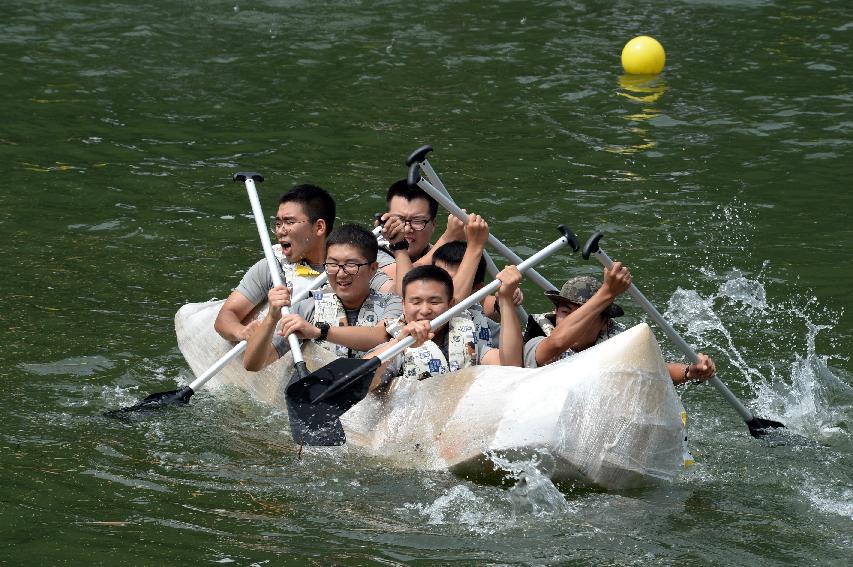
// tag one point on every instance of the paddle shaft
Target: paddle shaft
(475, 298)
(673, 335)
(298, 361)
(491, 267)
(456, 211)
(241, 346)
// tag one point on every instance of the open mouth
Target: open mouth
(285, 247)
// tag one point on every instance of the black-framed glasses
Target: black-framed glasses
(417, 223)
(350, 268)
(278, 224)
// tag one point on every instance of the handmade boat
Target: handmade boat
(608, 416)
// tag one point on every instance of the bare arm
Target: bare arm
(234, 321)
(477, 234)
(698, 372)
(510, 351)
(358, 338)
(260, 351)
(581, 327)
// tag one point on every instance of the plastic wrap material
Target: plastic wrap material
(607, 416)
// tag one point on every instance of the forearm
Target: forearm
(463, 281)
(511, 346)
(403, 265)
(582, 326)
(358, 338)
(259, 349)
(228, 325)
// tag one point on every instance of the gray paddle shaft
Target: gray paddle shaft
(263, 233)
(475, 298)
(491, 267)
(676, 338)
(435, 180)
(456, 211)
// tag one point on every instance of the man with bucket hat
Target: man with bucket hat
(583, 316)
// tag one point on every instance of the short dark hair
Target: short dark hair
(355, 235)
(315, 201)
(401, 189)
(451, 253)
(431, 274)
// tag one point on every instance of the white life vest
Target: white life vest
(329, 309)
(427, 360)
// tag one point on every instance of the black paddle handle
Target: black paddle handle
(242, 176)
(418, 155)
(591, 246)
(414, 175)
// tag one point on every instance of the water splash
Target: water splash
(459, 505)
(533, 492)
(791, 381)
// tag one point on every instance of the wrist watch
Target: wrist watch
(324, 331)
(402, 245)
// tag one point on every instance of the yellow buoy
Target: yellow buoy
(643, 55)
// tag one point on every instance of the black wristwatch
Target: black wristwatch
(324, 331)
(402, 245)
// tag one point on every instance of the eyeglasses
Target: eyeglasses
(278, 224)
(350, 268)
(415, 223)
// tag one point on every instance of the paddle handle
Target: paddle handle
(673, 335)
(491, 267)
(565, 240)
(263, 233)
(455, 210)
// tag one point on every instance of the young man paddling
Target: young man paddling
(584, 316)
(304, 219)
(427, 293)
(349, 319)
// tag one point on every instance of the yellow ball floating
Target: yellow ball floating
(643, 55)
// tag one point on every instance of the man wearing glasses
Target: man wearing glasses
(408, 227)
(304, 219)
(348, 319)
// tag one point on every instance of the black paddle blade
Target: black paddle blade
(316, 402)
(156, 401)
(759, 427)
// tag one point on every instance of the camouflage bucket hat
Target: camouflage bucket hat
(578, 291)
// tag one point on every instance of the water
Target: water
(722, 183)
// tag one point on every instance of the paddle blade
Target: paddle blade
(315, 403)
(759, 427)
(156, 401)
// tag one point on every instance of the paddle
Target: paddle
(757, 426)
(419, 157)
(415, 179)
(183, 395)
(320, 399)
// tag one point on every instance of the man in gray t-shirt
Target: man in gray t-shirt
(303, 220)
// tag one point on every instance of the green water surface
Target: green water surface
(724, 183)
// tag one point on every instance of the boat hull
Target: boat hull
(608, 416)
